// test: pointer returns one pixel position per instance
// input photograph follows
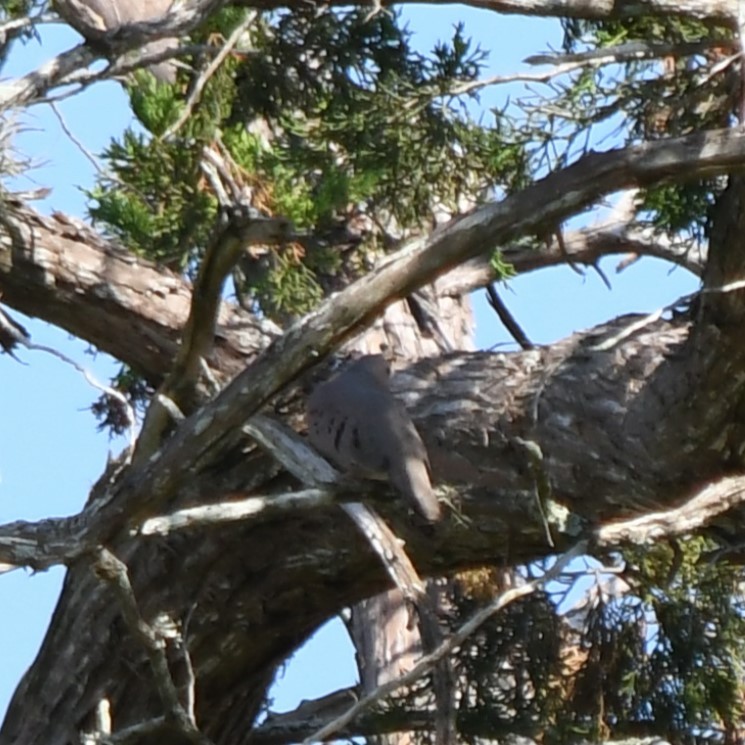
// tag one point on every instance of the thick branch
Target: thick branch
(60, 270)
(723, 11)
(623, 424)
(201, 438)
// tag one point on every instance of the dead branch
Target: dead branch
(110, 569)
(507, 318)
(236, 230)
(699, 509)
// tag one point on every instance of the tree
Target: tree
(333, 176)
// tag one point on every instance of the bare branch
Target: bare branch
(712, 500)
(585, 246)
(630, 51)
(112, 570)
(233, 511)
(722, 11)
(236, 231)
(33, 86)
(107, 390)
(75, 141)
(562, 64)
(67, 67)
(507, 318)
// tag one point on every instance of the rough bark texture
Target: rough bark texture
(628, 418)
(642, 412)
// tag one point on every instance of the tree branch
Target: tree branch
(722, 11)
(711, 500)
(234, 233)
(547, 202)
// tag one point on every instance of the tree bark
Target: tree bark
(629, 418)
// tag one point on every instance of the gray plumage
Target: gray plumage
(356, 422)
(93, 19)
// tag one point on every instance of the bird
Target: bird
(94, 19)
(356, 422)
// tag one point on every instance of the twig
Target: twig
(427, 318)
(16, 24)
(602, 275)
(631, 51)
(75, 141)
(655, 315)
(542, 483)
(91, 380)
(137, 733)
(157, 729)
(31, 87)
(212, 175)
(507, 318)
(559, 233)
(566, 63)
(221, 173)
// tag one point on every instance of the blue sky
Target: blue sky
(50, 452)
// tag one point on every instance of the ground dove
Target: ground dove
(93, 19)
(356, 422)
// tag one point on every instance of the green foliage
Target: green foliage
(16, 8)
(502, 268)
(677, 209)
(665, 659)
(335, 121)
(156, 204)
(358, 122)
(366, 122)
(156, 106)
(508, 668)
(288, 287)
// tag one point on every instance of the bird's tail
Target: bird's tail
(411, 478)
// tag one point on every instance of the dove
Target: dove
(357, 423)
(93, 19)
